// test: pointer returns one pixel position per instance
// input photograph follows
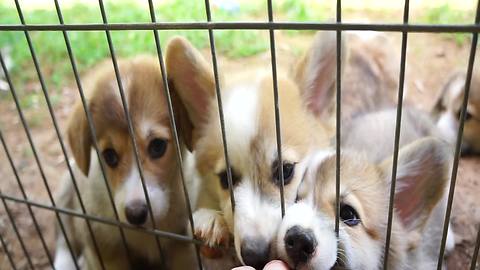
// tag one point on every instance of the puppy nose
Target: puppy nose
(255, 252)
(300, 244)
(136, 212)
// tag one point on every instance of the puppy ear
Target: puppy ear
(192, 80)
(452, 92)
(79, 139)
(316, 72)
(422, 175)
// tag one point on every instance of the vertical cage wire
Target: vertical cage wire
(7, 252)
(473, 264)
(276, 100)
(54, 121)
(218, 93)
(93, 136)
(17, 234)
(130, 127)
(173, 126)
(458, 144)
(338, 117)
(211, 26)
(73, 178)
(398, 121)
(14, 169)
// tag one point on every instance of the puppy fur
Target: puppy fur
(365, 170)
(249, 118)
(448, 107)
(142, 83)
(369, 75)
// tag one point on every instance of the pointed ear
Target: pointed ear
(192, 80)
(422, 175)
(309, 169)
(79, 138)
(452, 92)
(316, 72)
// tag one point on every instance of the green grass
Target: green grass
(90, 47)
(446, 14)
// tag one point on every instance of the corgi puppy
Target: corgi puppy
(307, 237)
(143, 88)
(448, 107)
(249, 117)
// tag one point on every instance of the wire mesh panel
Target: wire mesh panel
(23, 209)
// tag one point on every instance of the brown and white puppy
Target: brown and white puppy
(248, 108)
(448, 107)
(307, 238)
(144, 94)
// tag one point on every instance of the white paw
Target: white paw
(210, 227)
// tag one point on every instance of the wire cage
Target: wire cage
(211, 26)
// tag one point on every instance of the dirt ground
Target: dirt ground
(431, 58)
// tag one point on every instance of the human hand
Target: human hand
(273, 265)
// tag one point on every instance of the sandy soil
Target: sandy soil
(430, 59)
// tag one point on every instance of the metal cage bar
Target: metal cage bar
(382, 27)
(338, 117)
(218, 93)
(174, 127)
(14, 169)
(107, 221)
(7, 252)
(473, 264)
(73, 178)
(398, 122)
(276, 101)
(130, 127)
(271, 26)
(458, 144)
(54, 121)
(17, 234)
(92, 133)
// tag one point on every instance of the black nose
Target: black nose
(255, 252)
(300, 244)
(136, 212)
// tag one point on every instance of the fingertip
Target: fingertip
(276, 265)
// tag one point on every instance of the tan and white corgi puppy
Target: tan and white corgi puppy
(307, 237)
(449, 105)
(248, 108)
(142, 83)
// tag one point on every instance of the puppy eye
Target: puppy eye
(110, 157)
(468, 116)
(348, 215)
(224, 178)
(288, 172)
(157, 148)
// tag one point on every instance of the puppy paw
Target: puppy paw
(211, 228)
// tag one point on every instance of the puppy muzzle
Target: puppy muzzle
(136, 212)
(255, 252)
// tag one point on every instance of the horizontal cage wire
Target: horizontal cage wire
(45, 258)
